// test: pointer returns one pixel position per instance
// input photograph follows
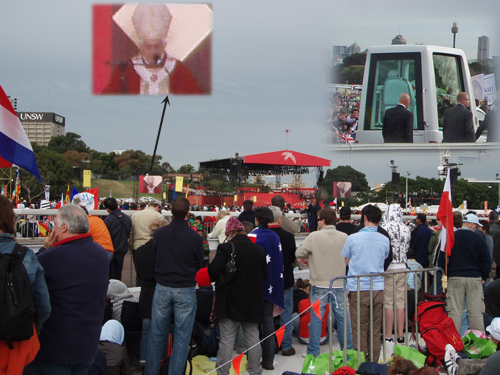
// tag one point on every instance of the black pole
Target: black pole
(165, 101)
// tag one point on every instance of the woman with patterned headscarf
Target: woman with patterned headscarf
(242, 299)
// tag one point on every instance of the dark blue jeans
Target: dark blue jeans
(267, 329)
(181, 303)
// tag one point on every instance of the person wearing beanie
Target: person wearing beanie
(241, 300)
(204, 297)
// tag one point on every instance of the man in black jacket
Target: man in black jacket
(119, 226)
(179, 256)
(248, 213)
(458, 125)
(288, 248)
(397, 125)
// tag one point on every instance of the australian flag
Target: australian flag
(273, 287)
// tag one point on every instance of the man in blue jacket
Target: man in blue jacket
(76, 272)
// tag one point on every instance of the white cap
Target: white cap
(471, 218)
(494, 329)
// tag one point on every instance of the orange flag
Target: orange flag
(317, 309)
(236, 363)
(279, 335)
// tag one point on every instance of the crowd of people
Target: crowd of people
(83, 309)
(343, 117)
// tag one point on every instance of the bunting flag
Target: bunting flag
(73, 193)
(316, 306)
(43, 230)
(17, 190)
(15, 148)
(237, 363)
(445, 214)
(89, 199)
(68, 195)
(279, 335)
(61, 202)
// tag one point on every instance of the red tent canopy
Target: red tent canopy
(287, 157)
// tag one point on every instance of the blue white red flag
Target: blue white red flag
(15, 148)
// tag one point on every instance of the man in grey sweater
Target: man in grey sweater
(321, 251)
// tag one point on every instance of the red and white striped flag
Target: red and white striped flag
(445, 214)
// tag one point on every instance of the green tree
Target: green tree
(138, 162)
(474, 193)
(67, 142)
(354, 59)
(352, 74)
(347, 174)
(54, 171)
(186, 169)
(167, 168)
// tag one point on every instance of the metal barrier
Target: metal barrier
(34, 215)
(373, 338)
(27, 229)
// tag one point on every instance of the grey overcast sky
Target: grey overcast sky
(268, 72)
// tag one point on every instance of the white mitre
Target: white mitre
(151, 21)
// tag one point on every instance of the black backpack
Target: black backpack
(16, 301)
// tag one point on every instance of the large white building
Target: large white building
(483, 48)
(41, 127)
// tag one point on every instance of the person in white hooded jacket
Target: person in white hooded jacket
(400, 236)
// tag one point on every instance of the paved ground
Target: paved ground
(282, 364)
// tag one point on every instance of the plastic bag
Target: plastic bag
(477, 348)
(410, 354)
(321, 364)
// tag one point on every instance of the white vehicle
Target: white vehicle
(431, 75)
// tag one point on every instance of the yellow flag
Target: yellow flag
(178, 183)
(87, 178)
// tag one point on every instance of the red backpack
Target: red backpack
(437, 329)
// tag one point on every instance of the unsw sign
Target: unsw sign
(41, 117)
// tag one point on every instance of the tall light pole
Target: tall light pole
(406, 196)
(454, 30)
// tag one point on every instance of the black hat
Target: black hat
(264, 212)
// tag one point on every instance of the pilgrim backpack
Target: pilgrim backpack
(16, 302)
(437, 329)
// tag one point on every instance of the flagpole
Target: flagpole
(445, 284)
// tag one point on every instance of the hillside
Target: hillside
(118, 189)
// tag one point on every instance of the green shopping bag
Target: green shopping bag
(477, 348)
(320, 364)
(410, 354)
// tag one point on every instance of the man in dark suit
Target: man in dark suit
(457, 122)
(398, 122)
